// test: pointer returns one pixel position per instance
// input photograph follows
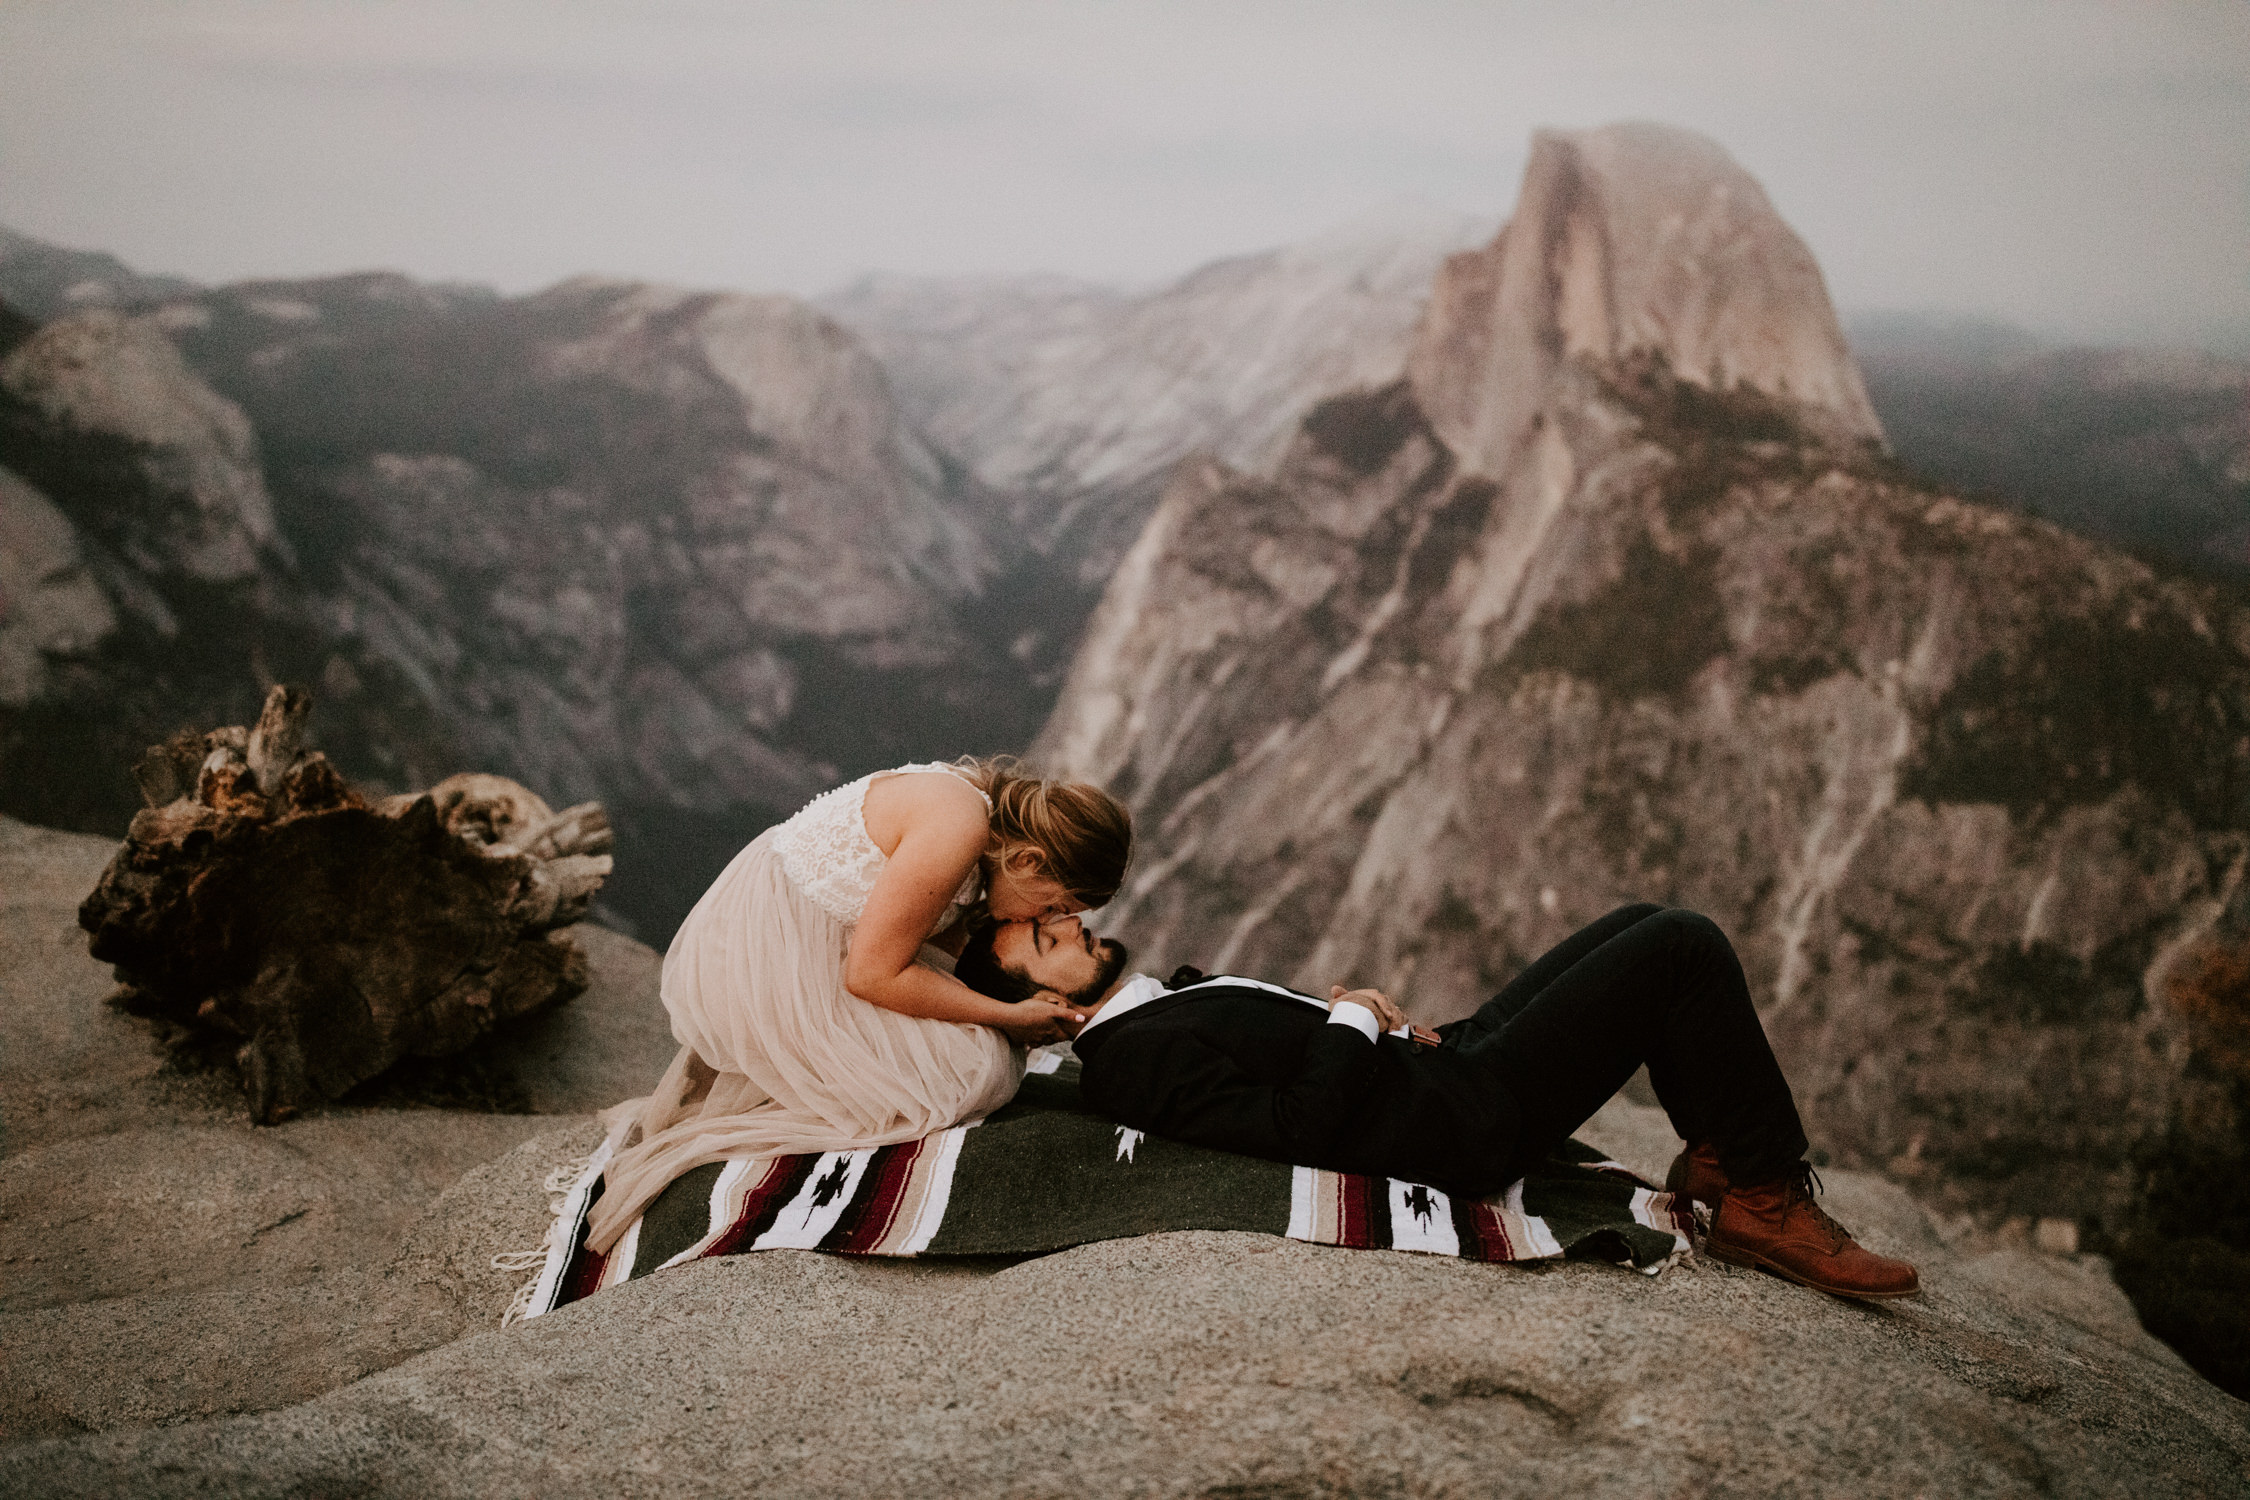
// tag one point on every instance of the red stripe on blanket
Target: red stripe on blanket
(882, 1189)
(1482, 1234)
(1681, 1211)
(585, 1276)
(763, 1203)
(1363, 1212)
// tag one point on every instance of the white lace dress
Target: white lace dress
(776, 1056)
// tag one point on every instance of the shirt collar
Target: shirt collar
(1131, 995)
(1141, 989)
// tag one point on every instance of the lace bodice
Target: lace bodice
(827, 854)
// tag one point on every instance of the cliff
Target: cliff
(1074, 400)
(144, 577)
(1615, 598)
(1636, 242)
(671, 550)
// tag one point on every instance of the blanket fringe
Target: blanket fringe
(560, 1181)
(533, 1260)
(558, 1186)
(519, 1304)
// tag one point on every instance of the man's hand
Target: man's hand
(1388, 1017)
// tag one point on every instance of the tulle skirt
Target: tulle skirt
(777, 1057)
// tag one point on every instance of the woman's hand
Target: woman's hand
(1046, 1017)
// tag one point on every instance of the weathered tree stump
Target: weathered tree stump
(264, 909)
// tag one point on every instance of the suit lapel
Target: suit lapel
(1221, 984)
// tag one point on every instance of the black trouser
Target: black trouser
(1645, 984)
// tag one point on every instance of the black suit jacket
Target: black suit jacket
(1242, 1069)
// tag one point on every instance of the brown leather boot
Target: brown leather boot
(1777, 1227)
(1697, 1176)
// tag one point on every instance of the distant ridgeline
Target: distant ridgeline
(2148, 449)
(1598, 584)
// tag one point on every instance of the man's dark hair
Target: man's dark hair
(978, 967)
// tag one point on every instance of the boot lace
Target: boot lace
(1802, 1188)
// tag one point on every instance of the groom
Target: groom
(1347, 1084)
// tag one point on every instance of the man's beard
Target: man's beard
(1113, 956)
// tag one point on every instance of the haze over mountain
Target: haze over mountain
(1053, 387)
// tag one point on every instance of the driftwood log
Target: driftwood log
(262, 909)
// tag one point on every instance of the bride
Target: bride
(811, 988)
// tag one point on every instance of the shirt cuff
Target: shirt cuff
(1352, 1013)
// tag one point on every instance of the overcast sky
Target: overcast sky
(2081, 168)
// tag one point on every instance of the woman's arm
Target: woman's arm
(941, 828)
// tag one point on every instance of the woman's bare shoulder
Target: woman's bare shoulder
(932, 802)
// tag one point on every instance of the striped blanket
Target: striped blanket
(1046, 1173)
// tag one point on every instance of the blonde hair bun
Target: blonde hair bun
(1083, 835)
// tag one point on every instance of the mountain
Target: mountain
(2146, 448)
(1056, 386)
(1077, 399)
(45, 281)
(1616, 596)
(674, 550)
(144, 578)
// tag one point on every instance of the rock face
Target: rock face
(1075, 400)
(1052, 385)
(638, 529)
(163, 1258)
(145, 578)
(1614, 599)
(117, 383)
(1632, 244)
(171, 1269)
(56, 608)
(1194, 1364)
